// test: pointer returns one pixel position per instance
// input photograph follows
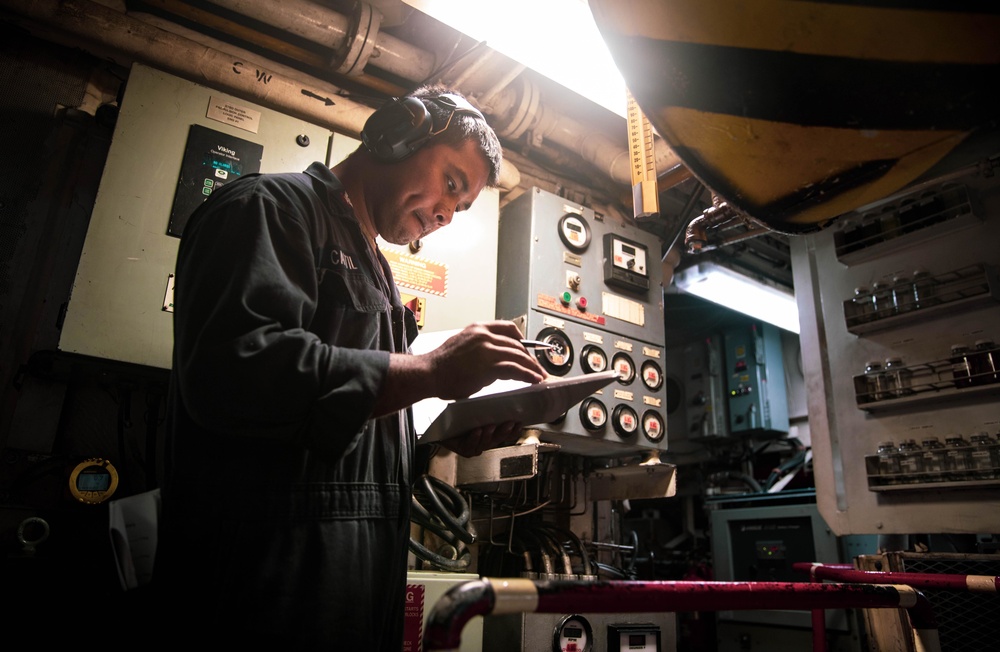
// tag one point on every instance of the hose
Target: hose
(448, 517)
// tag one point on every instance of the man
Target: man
(290, 455)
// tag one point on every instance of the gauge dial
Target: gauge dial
(574, 231)
(652, 375)
(623, 365)
(559, 359)
(652, 426)
(593, 414)
(624, 420)
(593, 359)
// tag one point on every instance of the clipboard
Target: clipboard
(538, 403)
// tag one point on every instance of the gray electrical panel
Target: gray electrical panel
(704, 388)
(122, 299)
(755, 380)
(592, 287)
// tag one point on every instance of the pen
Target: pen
(536, 344)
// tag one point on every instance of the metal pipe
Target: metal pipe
(330, 29)
(506, 596)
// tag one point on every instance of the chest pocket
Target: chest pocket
(350, 309)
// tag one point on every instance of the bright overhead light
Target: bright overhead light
(555, 38)
(751, 296)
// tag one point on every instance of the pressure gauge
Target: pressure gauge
(558, 359)
(652, 375)
(574, 232)
(573, 634)
(93, 481)
(593, 414)
(624, 367)
(625, 421)
(593, 359)
(652, 425)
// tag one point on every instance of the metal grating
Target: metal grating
(968, 622)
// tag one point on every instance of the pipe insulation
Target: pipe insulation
(302, 97)
(330, 29)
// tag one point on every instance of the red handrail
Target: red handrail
(495, 596)
(948, 581)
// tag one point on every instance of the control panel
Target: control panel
(755, 380)
(590, 286)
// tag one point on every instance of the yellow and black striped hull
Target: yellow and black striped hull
(797, 112)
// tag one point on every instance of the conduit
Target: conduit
(499, 596)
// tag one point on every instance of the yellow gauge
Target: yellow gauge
(93, 481)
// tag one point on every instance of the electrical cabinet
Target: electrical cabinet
(174, 142)
(591, 286)
(755, 380)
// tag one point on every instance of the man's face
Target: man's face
(421, 194)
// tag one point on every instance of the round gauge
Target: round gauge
(652, 375)
(593, 414)
(573, 634)
(652, 425)
(559, 359)
(624, 367)
(93, 481)
(593, 359)
(574, 231)
(624, 420)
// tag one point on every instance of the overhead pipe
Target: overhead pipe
(302, 97)
(330, 29)
(499, 596)
(519, 111)
(223, 25)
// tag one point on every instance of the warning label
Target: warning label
(418, 273)
(413, 624)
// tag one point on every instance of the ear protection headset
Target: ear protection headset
(403, 126)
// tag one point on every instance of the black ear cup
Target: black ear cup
(401, 127)
(396, 129)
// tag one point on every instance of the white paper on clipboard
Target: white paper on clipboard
(532, 404)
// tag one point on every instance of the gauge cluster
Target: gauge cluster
(591, 287)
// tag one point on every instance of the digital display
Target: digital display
(576, 228)
(637, 640)
(98, 480)
(572, 632)
(629, 250)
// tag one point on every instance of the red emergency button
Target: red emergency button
(581, 303)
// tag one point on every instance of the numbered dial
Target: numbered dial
(593, 414)
(625, 421)
(573, 634)
(593, 359)
(652, 426)
(559, 359)
(574, 231)
(652, 375)
(624, 367)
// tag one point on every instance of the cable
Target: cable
(448, 516)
